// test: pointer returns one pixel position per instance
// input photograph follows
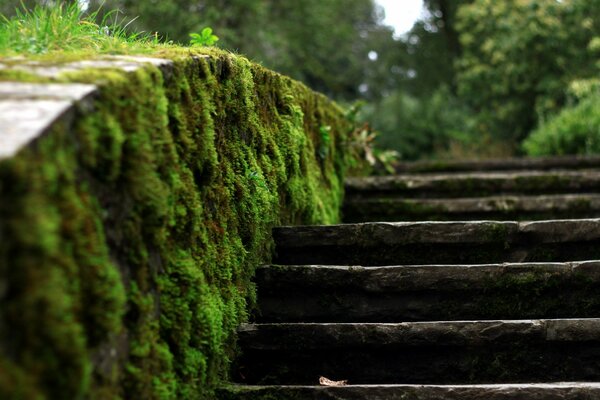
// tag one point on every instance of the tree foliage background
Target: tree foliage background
(471, 78)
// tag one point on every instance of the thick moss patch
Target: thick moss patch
(127, 241)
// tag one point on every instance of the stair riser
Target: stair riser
(366, 212)
(431, 292)
(511, 362)
(556, 302)
(436, 253)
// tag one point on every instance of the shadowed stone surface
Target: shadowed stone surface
(441, 352)
(372, 208)
(501, 164)
(474, 184)
(475, 242)
(312, 336)
(548, 391)
(427, 292)
(441, 305)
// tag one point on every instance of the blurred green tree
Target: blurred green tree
(518, 57)
(329, 45)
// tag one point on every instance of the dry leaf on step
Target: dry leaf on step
(328, 382)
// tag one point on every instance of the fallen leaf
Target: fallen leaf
(328, 382)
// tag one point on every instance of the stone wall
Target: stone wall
(137, 196)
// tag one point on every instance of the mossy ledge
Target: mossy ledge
(129, 234)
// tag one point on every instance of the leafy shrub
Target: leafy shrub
(575, 130)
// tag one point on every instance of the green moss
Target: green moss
(130, 238)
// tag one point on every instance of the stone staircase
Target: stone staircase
(446, 309)
(518, 189)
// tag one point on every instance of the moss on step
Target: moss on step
(129, 239)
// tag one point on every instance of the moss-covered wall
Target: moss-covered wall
(128, 241)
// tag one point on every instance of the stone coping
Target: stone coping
(29, 110)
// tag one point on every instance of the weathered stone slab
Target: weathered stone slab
(413, 278)
(501, 164)
(557, 231)
(458, 352)
(427, 292)
(28, 110)
(22, 121)
(504, 207)
(125, 63)
(396, 233)
(525, 391)
(475, 184)
(305, 336)
(35, 91)
(477, 242)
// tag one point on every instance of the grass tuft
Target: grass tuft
(65, 28)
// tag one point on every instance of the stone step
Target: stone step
(458, 352)
(419, 243)
(501, 164)
(473, 184)
(312, 293)
(504, 207)
(529, 391)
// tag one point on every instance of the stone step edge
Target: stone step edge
(504, 164)
(484, 203)
(474, 183)
(448, 232)
(317, 336)
(533, 391)
(405, 278)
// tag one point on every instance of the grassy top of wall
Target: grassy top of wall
(129, 237)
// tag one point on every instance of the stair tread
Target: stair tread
(541, 391)
(400, 278)
(521, 207)
(438, 242)
(539, 163)
(470, 184)
(303, 336)
(547, 231)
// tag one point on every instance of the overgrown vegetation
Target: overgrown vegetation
(472, 78)
(575, 130)
(64, 28)
(128, 240)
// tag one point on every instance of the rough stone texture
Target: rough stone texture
(437, 302)
(575, 230)
(396, 233)
(313, 336)
(40, 91)
(539, 391)
(458, 352)
(475, 184)
(125, 63)
(428, 292)
(500, 164)
(363, 209)
(28, 110)
(476, 242)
